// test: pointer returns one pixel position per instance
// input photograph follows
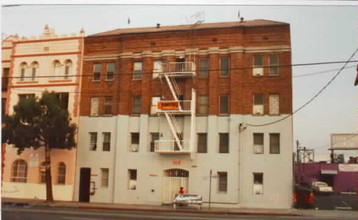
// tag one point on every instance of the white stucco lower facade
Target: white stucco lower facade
(156, 173)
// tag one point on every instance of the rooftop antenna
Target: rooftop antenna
(241, 19)
(196, 18)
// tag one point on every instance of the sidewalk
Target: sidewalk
(185, 209)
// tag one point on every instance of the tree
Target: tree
(39, 123)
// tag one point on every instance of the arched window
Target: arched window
(19, 171)
(34, 70)
(68, 68)
(42, 171)
(56, 68)
(23, 67)
(61, 177)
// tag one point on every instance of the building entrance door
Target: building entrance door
(173, 180)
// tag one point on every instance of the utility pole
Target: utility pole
(297, 151)
(211, 173)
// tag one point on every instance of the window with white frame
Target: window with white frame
(19, 171)
(203, 104)
(157, 68)
(274, 104)
(23, 68)
(61, 174)
(93, 141)
(222, 182)
(137, 70)
(104, 177)
(154, 106)
(224, 66)
(94, 106)
(274, 65)
(136, 105)
(258, 143)
(204, 67)
(56, 68)
(34, 70)
(108, 105)
(68, 68)
(224, 104)
(110, 72)
(106, 141)
(258, 107)
(132, 179)
(96, 72)
(274, 143)
(258, 69)
(258, 183)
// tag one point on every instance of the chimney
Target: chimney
(158, 25)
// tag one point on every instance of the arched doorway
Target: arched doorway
(172, 181)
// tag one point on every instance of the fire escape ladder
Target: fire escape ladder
(171, 87)
(172, 123)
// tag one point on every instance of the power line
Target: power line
(218, 69)
(309, 101)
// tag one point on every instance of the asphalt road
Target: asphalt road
(36, 213)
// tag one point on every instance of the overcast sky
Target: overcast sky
(319, 33)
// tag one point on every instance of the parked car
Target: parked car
(321, 187)
(303, 197)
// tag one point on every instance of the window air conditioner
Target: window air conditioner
(135, 147)
(258, 71)
(258, 149)
(258, 109)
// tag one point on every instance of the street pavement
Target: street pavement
(64, 210)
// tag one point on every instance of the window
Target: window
(68, 68)
(19, 171)
(224, 105)
(274, 143)
(258, 183)
(23, 67)
(106, 141)
(203, 105)
(26, 96)
(5, 79)
(157, 68)
(63, 99)
(42, 171)
(108, 105)
(258, 143)
(96, 72)
(258, 108)
(104, 177)
(132, 179)
(56, 68)
(136, 105)
(34, 70)
(258, 69)
(153, 108)
(274, 65)
(134, 142)
(3, 107)
(93, 141)
(274, 104)
(224, 66)
(222, 185)
(110, 72)
(94, 106)
(202, 143)
(223, 143)
(204, 67)
(137, 70)
(154, 137)
(61, 176)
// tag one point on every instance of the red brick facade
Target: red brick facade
(238, 42)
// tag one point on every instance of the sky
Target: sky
(321, 31)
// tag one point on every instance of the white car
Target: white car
(321, 187)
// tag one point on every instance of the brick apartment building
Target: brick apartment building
(47, 62)
(162, 107)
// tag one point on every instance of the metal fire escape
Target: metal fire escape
(174, 107)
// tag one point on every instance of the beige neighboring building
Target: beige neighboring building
(48, 62)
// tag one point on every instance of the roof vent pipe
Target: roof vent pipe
(241, 19)
(158, 25)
